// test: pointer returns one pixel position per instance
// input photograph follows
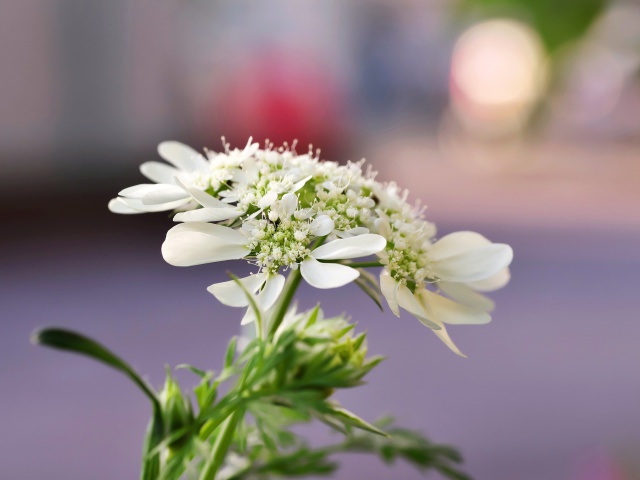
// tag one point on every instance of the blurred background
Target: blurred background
(516, 118)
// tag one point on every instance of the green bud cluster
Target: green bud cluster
(319, 353)
(177, 414)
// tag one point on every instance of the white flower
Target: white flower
(460, 264)
(191, 167)
(280, 211)
(164, 194)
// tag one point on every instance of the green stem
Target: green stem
(363, 264)
(155, 433)
(221, 445)
(290, 287)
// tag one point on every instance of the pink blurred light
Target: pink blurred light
(281, 97)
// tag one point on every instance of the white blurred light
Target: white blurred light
(498, 72)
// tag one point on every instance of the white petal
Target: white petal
(249, 317)
(117, 205)
(474, 265)
(208, 215)
(321, 225)
(192, 248)
(158, 172)
(446, 339)
(360, 246)
(288, 205)
(154, 194)
(197, 243)
(354, 232)
(266, 298)
(231, 294)
(136, 204)
(182, 156)
(203, 198)
(492, 283)
(461, 293)
(268, 199)
(298, 185)
(226, 234)
(250, 149)
(163, 193)
(383, 227)
(327, 275)
(137, 191)
(389, 288)
(408, 301)
(442, 309)
(457, 243)
(271, 291)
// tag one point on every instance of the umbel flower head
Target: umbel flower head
(283, 211)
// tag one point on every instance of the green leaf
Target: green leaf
(349, 418)
(220, 446)
(200, 373)
(74, 342)
(313, 317)
(153, 437)
(231, 352)
(367, 283)
(357, 343)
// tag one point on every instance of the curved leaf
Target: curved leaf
(74, 342)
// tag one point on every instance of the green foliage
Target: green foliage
(557, 22)
(299, 460)
(274, 383)
(74, 342)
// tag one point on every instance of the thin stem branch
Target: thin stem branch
(221, 445)
(290, 287)
(372, 264)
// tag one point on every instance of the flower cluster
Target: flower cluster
(284, 211)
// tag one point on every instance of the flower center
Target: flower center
(283, 243)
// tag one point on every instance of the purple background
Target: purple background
(551, 389)
(549, 385)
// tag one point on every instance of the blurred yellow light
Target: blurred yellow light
(497, 73)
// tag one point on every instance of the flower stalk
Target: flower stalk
(280, 308)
